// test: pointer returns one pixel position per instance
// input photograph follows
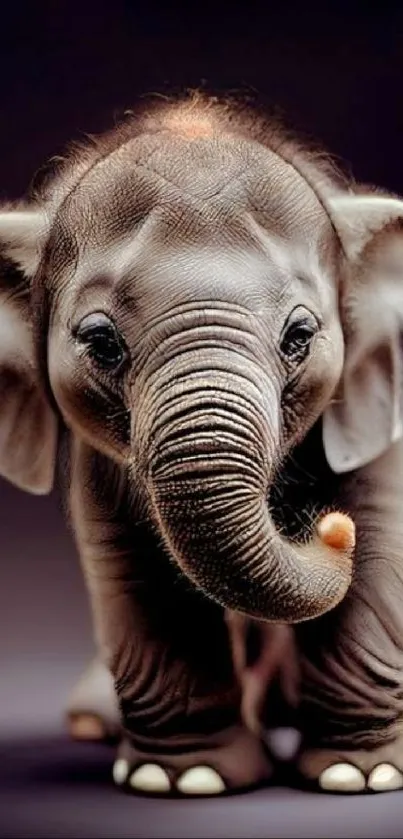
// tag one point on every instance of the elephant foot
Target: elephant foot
(345, 771)
(92, 710)
(86, 726)
(234, 761)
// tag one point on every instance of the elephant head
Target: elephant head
(190, 294)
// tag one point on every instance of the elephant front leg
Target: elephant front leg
(167, 648)
(179, 704)
(351, 711)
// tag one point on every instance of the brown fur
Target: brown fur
(208, 116)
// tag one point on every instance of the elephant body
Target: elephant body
(214, 317)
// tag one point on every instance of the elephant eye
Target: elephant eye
(102, 342)
(297, 335)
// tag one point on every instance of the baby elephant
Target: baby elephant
(213, 317)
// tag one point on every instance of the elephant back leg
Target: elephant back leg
(92, 711)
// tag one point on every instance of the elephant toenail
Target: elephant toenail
(150, 778)
(120, 770)
(200, 780)
(86, 727)
(342, 777)
(385, 777)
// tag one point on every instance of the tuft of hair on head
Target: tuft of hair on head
(193, 114)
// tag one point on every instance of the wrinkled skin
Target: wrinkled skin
(215, 320)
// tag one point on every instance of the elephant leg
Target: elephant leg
(167, 647)
(351, 711)
(266, 665)
(92, 711)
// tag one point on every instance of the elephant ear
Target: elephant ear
(28, 426)
(366, 415)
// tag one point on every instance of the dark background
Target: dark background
(71, 68)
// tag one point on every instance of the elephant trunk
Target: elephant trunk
(208, 444)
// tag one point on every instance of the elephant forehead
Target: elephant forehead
(149, 273)
(189, 182)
